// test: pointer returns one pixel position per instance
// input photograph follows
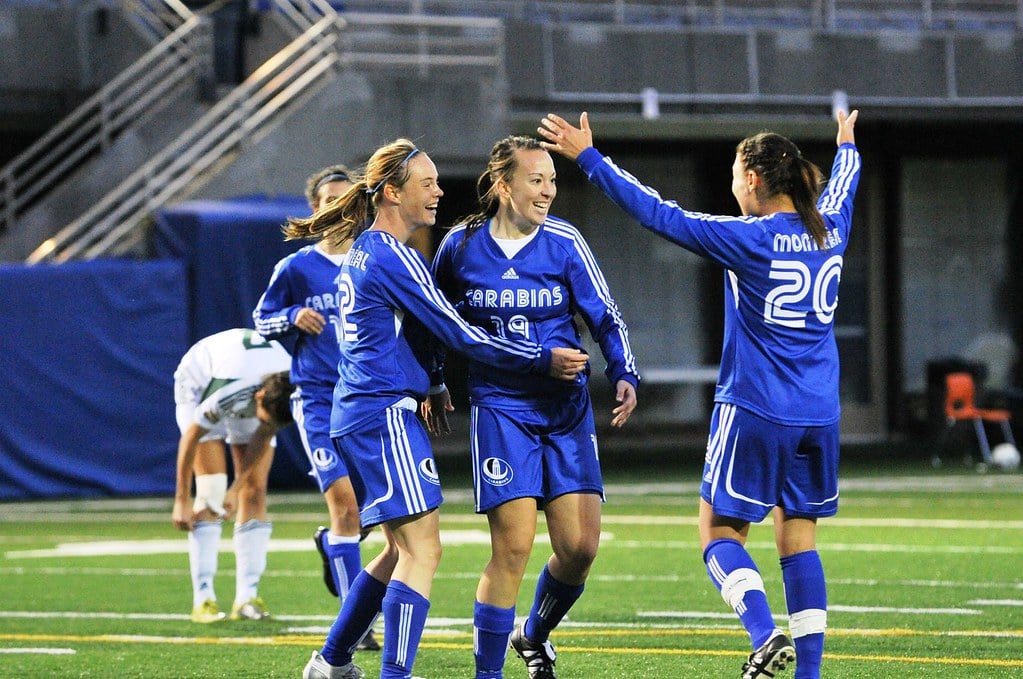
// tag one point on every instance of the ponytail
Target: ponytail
(352, 212)
(342, 220)
(784, 170)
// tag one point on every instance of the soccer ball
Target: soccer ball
(1005, 456)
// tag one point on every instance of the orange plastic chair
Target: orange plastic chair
(960, 394)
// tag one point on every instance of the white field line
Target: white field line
(694, 576)
(38, 651)
(472, 537)
(445, 623)
(475, 537)
(832, 608)
(950, 483)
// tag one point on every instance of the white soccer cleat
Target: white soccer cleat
(318, 668)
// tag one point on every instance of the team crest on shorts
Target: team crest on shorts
(428, 470)
(497, 472)
(324, 459)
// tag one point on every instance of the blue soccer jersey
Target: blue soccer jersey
(533, 295)
(306, 278)
(779, 357)
(391, 309)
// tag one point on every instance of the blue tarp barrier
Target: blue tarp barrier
(86, 392)
(89, 351)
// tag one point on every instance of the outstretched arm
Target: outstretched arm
(563, 137)
(846, 123)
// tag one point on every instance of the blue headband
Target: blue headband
(388, 175)
(330, 178)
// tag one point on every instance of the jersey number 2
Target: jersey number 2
(346, 330)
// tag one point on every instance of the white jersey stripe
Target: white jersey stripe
(404, 462)
(424, 279)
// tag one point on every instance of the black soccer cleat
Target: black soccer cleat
(368, 643)
(774, 656)
(539, 658)
(328, 576)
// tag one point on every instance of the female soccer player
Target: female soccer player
(774, 431)
(230, 388)
(299, 308)
(390, 313)
(521, 273)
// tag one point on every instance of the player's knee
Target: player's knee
(511, 560)
(578, 555)
(252, 496)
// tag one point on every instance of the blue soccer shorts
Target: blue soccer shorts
(311, 410)
(391, 464)
(542, 452)
(753, 465)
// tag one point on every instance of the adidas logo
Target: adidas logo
(510, 275)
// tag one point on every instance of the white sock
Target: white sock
(203, 547)
(251, 541)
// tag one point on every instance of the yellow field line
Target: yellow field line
(309, 640)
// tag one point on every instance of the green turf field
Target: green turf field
(925, 575)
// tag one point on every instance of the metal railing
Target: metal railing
(815, 14)
(423, 42)
(113, 226)
(132, 96)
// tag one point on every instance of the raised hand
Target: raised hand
(846, 123)
(563, 137)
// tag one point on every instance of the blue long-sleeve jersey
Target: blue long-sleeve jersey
(779, 358)
(533, 295)
(392, 313)
(306, 278)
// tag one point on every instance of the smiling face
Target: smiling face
(526, 195)
(419, 196)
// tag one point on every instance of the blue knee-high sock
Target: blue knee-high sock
(491, 628)
(550, 604)
(405, 613)
(734, 573)
(806, 595)
(345, 561)
(358, 612)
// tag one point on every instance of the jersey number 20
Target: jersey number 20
(782, 303)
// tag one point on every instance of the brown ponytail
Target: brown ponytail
(352, 212)
(784, 170)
